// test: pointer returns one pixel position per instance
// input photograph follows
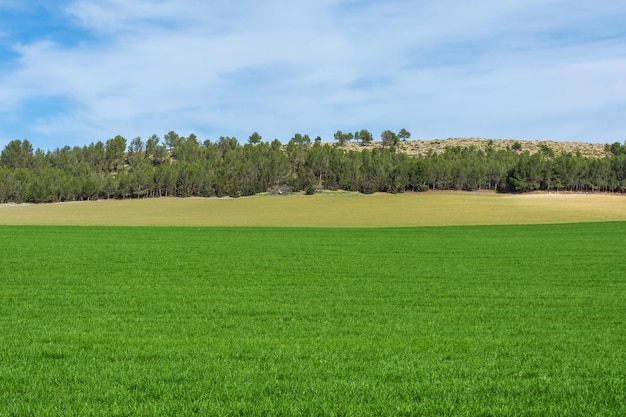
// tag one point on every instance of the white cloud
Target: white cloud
(440, 68)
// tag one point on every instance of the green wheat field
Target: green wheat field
(502, 320)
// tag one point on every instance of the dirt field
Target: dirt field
(329, 210)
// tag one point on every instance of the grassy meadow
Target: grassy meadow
(515, 320)
(442, 303)
(329, 210)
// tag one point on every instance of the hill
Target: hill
(184, 167)
(423, 147)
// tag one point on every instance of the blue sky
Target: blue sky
(74, 72)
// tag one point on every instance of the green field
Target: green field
(475, 320)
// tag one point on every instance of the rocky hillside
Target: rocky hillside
(423, 147)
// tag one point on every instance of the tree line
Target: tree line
(183, 166)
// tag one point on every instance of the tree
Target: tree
(365, 136)
(226, 143)
(151, 145)
(188, 149)
(136, 155)
(17, 154)
(498, 165)
(389, 138)
(254, 138)
(404, 134)
(155, 151)
(105, 170)
(114, 153)
(95, 156)
(5, 175)
(547, 151)
(165, 180)
(615, 149)
(172, 140)
(527, 174)
(343, 138)
(136, 146)
(277, 167)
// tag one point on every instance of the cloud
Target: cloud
(523, 68)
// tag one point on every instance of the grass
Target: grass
(329, 210)
(478, 320)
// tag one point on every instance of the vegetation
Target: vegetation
(329, 209)
(499, 320)
(182, 166)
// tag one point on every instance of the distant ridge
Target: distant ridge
(423, 147)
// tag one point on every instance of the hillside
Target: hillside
(184, 167)
(423, 147)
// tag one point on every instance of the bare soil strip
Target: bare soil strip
(329, 210)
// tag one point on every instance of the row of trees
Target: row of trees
(182, 166)
(388, 137)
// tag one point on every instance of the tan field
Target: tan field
(328, 210)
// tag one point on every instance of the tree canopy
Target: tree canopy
(185, 166)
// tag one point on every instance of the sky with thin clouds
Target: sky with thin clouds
(73, 72)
